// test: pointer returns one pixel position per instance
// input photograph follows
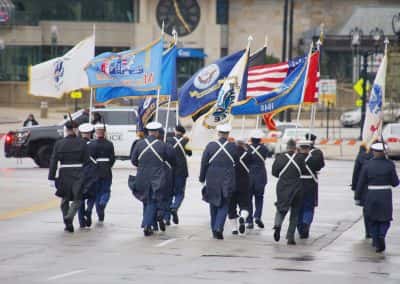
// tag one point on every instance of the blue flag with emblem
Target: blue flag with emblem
(288, 94)
(137, 69)
(202, 88)
(168, 82)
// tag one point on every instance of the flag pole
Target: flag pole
(304, 88)
(159, 88)
(91, 89)
(167, 119)
(175, 34)
(249, 40)
(257, 122)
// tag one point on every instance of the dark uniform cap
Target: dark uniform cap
(310, 136)
(180, 128)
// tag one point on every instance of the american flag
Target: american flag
(265, 78)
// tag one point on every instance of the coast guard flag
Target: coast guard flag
(168, 82)
(137, 69)
(288, 94)
(63, 74)
(374, 114)
(203, 87)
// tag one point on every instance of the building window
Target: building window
(337, 65)
(186, 67)
(31, 12)
(222, 12)
(15, 61)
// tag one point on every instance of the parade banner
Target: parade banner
(374, 115)
(168, 82)
(202, 88)
(231, 91)
(63, 74)
(137, 69)
(288, 94)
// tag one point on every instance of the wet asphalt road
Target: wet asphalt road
(35, 249)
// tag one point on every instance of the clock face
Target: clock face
(181, 15)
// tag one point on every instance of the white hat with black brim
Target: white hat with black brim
(86, 128)
(224, 128)
(153, 126)
(378, 147)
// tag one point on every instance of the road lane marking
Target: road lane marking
(59, 276)
(53, 203)
(165, 243)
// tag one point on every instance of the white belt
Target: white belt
(379, 187)
(102, 159)
(306, 177)
(71, 166)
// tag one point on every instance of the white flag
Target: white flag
(63, 74)
(374, 113)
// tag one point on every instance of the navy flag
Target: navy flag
(202, 88)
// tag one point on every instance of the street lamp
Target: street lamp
(355, 40)
(54, 40)
(376, 34)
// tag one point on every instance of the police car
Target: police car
(37, 142)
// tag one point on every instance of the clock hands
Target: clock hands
(180, 17)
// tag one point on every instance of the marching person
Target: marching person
(72, 153)
(314, 162)
(377, 177)
(363, 156)
(241, 196)
(90, 177)
(258, 179)
(179, 143)
(149, 156)
(101, 151)
(217, 174)
(288, 167)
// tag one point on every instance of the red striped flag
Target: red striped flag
(265, 78)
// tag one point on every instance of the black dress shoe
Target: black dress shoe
(250, 226)
(175, 217)
(291, 242)
(277, 233)
(242, 227)
(101, 213)
(214, 233)
(219, 235)
(147, 232)
(235, 232)
(259, 223)
(304, 232)
(69, 227)
(381, 246)
(167, 223)
(161, 224)
(88, 218)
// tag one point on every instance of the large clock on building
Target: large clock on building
(181, 15)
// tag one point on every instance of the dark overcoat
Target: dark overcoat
(218, 174)
(258, 172)
(151, 174)
(69, 151)
(314, 162)
(289, 183)
(102, 150)
(378, 203)
(181, 167)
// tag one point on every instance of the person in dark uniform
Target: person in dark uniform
(314, 163)
(217, 174)
(72, 153)
(179, 143)
(377, 177)
(90, 177)
(258, 178)
(241, 196)
(149, 156)
(288, 167)
(363, 156)
(101, 151)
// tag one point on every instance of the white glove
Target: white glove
(52, 183)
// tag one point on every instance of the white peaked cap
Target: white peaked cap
(257, 134)
(224, 128)
(304, 143)
(99, 126)
(378, 147)
(153, 126)
(86, 128)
